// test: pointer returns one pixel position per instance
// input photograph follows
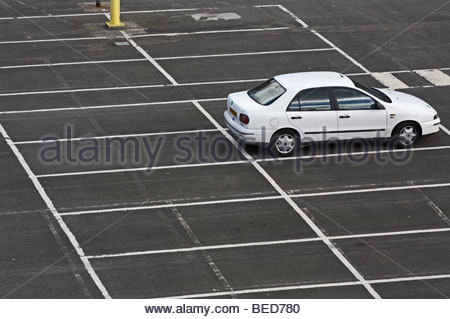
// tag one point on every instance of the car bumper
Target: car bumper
(430, 127)
(243, 133)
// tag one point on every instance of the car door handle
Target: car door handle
(344, 116)
(296, 117)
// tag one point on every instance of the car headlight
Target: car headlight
(435, 117)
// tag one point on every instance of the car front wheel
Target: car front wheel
(407, 133)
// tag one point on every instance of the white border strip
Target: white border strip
(176, 34)
(166, 85)
(252, 199)
(297, 209)
(204, 56)
(53, 40)
(149, 58)
(55, 214)
(103, 137)
(268, 243)
(96, 107)
(311, 286)
(252, 160)
(98, 13)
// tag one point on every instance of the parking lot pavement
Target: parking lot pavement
(214, 224)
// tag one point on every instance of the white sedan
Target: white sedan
(318, 106)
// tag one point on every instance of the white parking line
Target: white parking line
(97, 107)
(97, 14)
(436, 77)
(178, 166)
(269, 243)
(253, 199)
(162, 58)
(148, 57)
(113, 136)
(446, 130)
(25, 66)
(294, 205)
(320, 36)
(176, 34)
(55, 214)
(131, 87)
(53, 40)
(389, 80)
(309, 286)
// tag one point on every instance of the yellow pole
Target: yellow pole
(114, 12)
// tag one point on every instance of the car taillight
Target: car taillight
(244, 118)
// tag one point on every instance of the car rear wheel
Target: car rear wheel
(407, 133)
(285, 142)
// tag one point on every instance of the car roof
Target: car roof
(313, 79)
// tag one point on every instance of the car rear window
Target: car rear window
(267, 92)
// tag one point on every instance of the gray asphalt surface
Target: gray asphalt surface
(185, 229)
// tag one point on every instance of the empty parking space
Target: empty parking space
(80, 76)
(214, 225)
(153, 118)
(232, 43)
(212, 69)
(90, 192)
(116, 154)
(422, 168)
(399, 256)
(253, 267)
(435, 289)
(408, 52)
(377, 212)
(62, 52)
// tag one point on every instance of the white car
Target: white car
(318, 106)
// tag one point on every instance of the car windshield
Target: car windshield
(267, 92)
(373, 91)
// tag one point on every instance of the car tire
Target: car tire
(285, 142)
(407, 133)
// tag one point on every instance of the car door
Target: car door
(312, 112)
(359, 115)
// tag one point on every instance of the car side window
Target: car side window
(351, 99)
(316, 99)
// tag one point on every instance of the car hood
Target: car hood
(407, 102)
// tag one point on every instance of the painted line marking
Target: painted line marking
(324, 39)
(310, 286)
(96, 107)
(203, 252)
(433, 206)
(24, 66)
(53, 40)
(268, 243)
(176, 34)
(169, 85)
(294, 205)
(252, 199)
(246, 161)
(436, 77)
(113, 136)
(97, 14)
(389, 80)
(149, 58)
(446, 130)
(163, 58)
(55, 214)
